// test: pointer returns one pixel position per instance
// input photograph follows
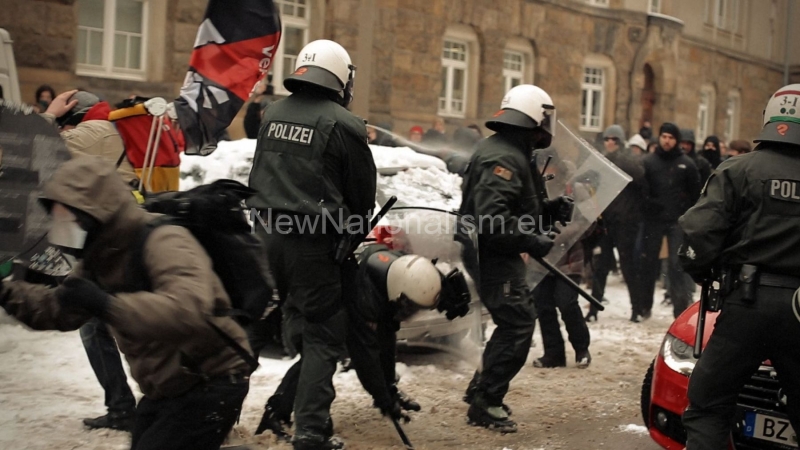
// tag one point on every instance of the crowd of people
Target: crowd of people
(188, 358)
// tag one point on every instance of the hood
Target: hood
(99, 111)
(685, 326)
(91, 185)
(638, 141)
(687, 135)
(713, 156)
(617, 132)
(714, 140)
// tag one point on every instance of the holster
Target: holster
(748, 282)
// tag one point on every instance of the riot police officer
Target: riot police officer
(747, 219)
(499, 191)
(315, 178)
(391, 286)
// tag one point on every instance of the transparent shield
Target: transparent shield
(30, 152)
(576, 169)
(431, 233)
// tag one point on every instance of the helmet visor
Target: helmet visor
(550, 119)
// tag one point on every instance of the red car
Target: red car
(761, 420)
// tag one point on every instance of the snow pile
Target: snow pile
(633, 428)
(416, 179)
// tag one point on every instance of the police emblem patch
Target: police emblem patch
(503, 173)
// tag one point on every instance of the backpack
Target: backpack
(141, 131)
(213, 213)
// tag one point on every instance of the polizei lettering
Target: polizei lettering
(785, 190)
(288, 132)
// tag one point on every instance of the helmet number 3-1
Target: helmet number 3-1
(311, 57)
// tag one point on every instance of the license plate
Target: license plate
(769, 428)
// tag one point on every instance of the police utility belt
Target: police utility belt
(748, 278)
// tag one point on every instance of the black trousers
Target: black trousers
(551, 294)
(200, 419)
(309, 284)
(745, 335)
(623, 236)
(101, 348)
(680, 290)
(513, 312)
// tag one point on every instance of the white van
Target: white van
(9, 82)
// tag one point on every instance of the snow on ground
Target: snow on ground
(47, 385)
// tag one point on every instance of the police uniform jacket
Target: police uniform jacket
(748, 213)
(497, 191)
(311, 159)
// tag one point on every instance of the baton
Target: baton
(406, 442)
(571, 283)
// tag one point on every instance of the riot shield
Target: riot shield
(430, 233)
(575, 168)
(30, 152)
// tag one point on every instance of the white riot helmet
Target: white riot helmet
(782, 117)
(526, 106)
(324, 63)
(415, 278)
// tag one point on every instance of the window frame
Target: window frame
(586, 111)
(450, 65)
(703, 128)
(304, 24)
(599, 3)
(510, 74)
(651, 9)
(733, 115)
(720, 19)
(106, 69)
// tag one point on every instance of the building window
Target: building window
(112, 38)
(295, 22)
(455, 62)
(513, 69)
(726, 14)
(705, 113)
(599, 3)
(655, 7)
(592, 104)
(732, 116)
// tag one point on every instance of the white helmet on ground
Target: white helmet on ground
(324, 63)
(782, 117)
(415, 278)
(526, 106)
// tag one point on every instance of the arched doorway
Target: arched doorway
(648, 95)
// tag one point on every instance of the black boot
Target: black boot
(495, 418)
(470, 394)
(278, 425)
(307, 443)
(549, 362)
(122, 421)
(582, 359)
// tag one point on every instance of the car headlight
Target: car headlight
(678, 355)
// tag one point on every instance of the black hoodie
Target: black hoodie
(714, 157)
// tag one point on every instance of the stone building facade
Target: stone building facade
(709, 65)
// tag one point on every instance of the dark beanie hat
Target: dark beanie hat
(671, 128)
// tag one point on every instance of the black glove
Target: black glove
(455, 297)
(540, 245)
(560, 209)
(80, 293)
(395, 411)
(406, 403)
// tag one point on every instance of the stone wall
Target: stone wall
(404, 75)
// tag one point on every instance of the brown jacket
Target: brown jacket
(162, 333)
(97, 138)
